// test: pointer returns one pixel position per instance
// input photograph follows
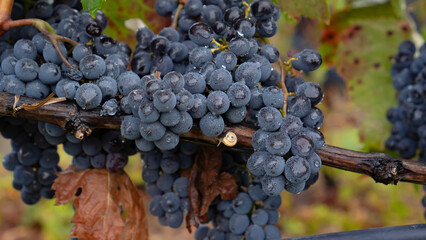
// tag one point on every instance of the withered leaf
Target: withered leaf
(206, 183)
(98, 207)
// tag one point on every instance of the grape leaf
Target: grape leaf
(206, 183)
(92, 6)
(308, 8)
(360, 43)
(98, 209)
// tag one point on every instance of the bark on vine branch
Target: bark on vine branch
(381, 167)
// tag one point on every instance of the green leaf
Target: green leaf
(308, 8)
(92, 6)
(364, 58)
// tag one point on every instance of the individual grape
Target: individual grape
(72, 149)
(199, 56)
(170, 119)
(141, 63)
(273, 80)
(238, 223)
(272, 232)
(150, 175)
(92, 66)
(36, 89)
(80, 51)
(299, 106)
(256, 193)
(130, 127)
(127, 82)
(295, 188)
(174, 81)
(162, 64)
(273, 96)
(88, 96)
(91, 146)
(297, 170)
(70, 89)
(218, 102)
(160, 45)
(108, 87)
(273, 186)
(152, 131)
(249, 73)
(200, 32)
(291, 125)
(270, 52)
(211, 14)
(49, 73)
(201, 232)
(293, 82)
(23, 174)
(98, 161)
(155, 206)
(30, 198)
(406, 148)
(8, 65)
(116, 161)
(168, 141)
(153, 86)
(184, 125)
(245, 28)
(50, 54)
(265, 66)
(262, 9)
(239, 94)
(164, 100)
(144, 36)
(267, 28)
(316, 136)
(236, 115)
(174, 219)
(274, 166)
(256, 162)
(184, 100)
(180, 186)
(314, 119)
(232, 15)
(10, 161)
(170, 202)
(239, 46)
(24, 48)
(308, 60)
(314, 163)
(254, 232)
(26, 69)
(220, 80)
(28, 154)
(194, 82)
(269, 119)
(312, 91)
(148, 113)
(212, 125)
(39, 41)
(302, 145)
(256, 100)
(226, 59)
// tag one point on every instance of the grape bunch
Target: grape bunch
(408, 133)
(166, 186)
(32, 67)
(33, 159)
(408, 118)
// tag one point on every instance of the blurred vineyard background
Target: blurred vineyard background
(357, 40)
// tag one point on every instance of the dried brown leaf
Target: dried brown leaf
(97, 208)
(206, 183)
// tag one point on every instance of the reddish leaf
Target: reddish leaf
(205, 184)
(97, 208)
